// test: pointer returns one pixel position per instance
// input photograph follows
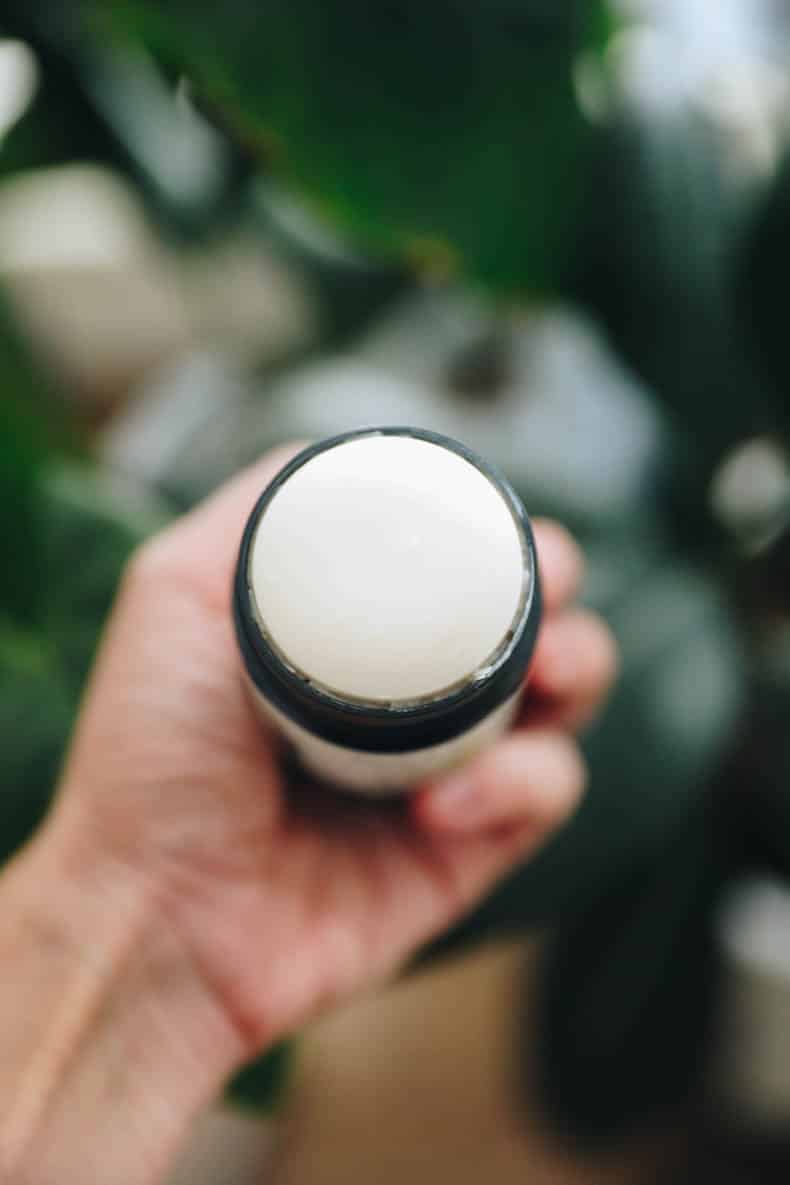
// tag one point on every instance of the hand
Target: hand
(291, 899)
(282, 899)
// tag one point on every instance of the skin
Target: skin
(183, 908)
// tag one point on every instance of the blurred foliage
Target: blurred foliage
(663, 275)
(760, 775)
(450, 138)
(260, 1084)
(761, 300)
(110, 103)
(671, 262)
(350, 289)
(85, 532)
(36, 712)
(628, 987)
(32, 422)
(382, 149)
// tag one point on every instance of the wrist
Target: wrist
(112, 1041)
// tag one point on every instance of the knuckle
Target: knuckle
(503, 767)
(553, 535)
(281, 454)
(595, 637)
(278, 457)
(574, 781)
(539, 775)
(562, 775)
(604, 646)
(484, 772)
(610, 658)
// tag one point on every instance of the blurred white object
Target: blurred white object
(568, 425)
(571, 428)
(86, 277)
(243, 300)
(180, 400)
(751, 490)
(725, 61)
(19, 78)
(178, 152)
(227, 1146)
(105, 301)
(751, 1072)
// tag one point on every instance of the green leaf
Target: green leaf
(85, 531)
(447, 134)
(761, 776)
(762, 289)
(260, 1085)
(350, 290)
(36, 710)
(628, 989)
(29, 426)
(100, 100)
(90, 523)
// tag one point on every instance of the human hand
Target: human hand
(274, 900)
(291, 897)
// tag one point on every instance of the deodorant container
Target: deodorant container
(386, 603)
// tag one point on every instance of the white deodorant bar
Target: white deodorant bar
(387, 606)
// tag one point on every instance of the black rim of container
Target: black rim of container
(381, 728)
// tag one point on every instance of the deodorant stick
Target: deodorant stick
(386, 604)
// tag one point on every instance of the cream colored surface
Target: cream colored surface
(106, 302)
(416, 1086)
(388, 568)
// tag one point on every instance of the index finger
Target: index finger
(205, 542)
